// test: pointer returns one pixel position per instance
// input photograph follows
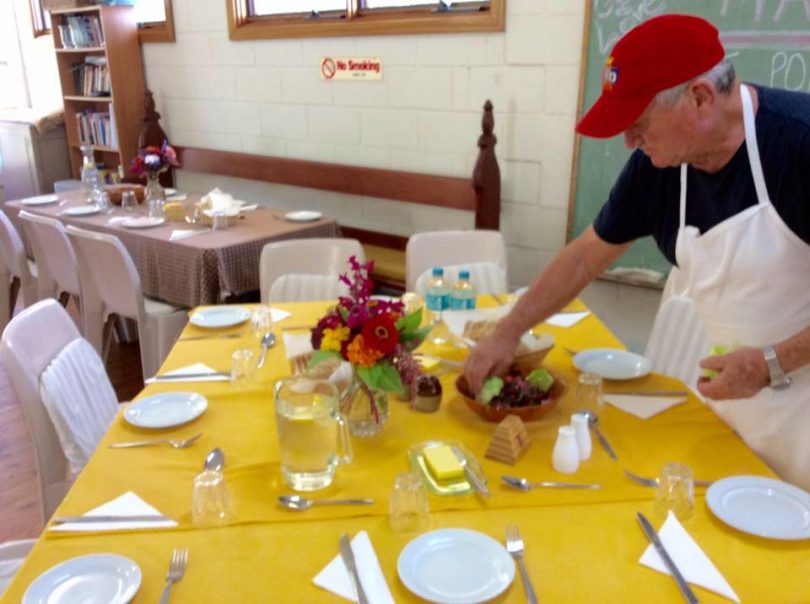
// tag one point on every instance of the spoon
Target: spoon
(296, 502)
(593, 422)
(268, 340)
(525, 485)
(215, 460)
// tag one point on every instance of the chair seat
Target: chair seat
(389, 263)
(156, 307)
(12, 555)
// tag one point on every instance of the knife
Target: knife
(649, 393)
(91, 519)
(186, 376)
(648, 529)
(475, 481)
(211, 337)
(347, 555)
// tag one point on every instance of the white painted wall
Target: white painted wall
(267, 97)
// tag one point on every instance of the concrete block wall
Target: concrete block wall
(267, 97)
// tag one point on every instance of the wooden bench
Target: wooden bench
(481, 194)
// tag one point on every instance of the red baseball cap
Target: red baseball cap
(658, 54)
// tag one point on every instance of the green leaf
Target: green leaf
(418, 335)
(321, 355)
(383, 376)
(344, 314)
(409, 323)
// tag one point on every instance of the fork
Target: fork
(514, 545)
(177, 567)
(177, 444)
(653, 482)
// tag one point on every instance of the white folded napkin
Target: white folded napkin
(128, 504)
(457, 319)
(177, 197)
(335, 577)
(296, 344)
(566, 319)
(183, 233)
(118, 219)
(278, 314)
(643, 406)
(248, 208)
(195, 369)
(694, 565)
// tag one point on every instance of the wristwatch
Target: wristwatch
(779, 379)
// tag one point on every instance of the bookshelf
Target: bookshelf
(101, 74)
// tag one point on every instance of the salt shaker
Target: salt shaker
(579, 422)
(565, 457)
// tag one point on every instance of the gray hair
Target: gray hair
(721, 76)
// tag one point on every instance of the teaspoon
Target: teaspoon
(525, 485)
(268, 341)
(593, 422)
(296, 502)
(215, 460)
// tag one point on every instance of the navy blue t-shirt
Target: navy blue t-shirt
(644, 200)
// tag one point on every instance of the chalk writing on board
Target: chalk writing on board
(779, 8)
(614, 18)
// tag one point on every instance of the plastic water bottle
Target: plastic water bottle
(437, 299)
(463, 295)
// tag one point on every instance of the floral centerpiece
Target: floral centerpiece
(152, 160)
(375, 336)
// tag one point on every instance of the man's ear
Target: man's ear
(702, 94)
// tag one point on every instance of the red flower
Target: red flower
(380, 333)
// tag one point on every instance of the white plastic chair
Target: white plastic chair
(305, 257)
(12, 555)
(110, 286)
(17, 272)
(64, 391)
(453, 248)
(486, 277)
(57, 272)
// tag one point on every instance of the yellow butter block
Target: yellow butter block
(442, 463)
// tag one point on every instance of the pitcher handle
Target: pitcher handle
(346, 453)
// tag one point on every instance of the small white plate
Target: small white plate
(612, 363)
(40, 200)
(142, 222)
(455, 566)
(81, 211)
(302, 216)
(217, 317)
(761, 506)
(170, 191)
(93, 579)
(166, 410)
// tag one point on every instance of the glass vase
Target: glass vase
(365, 409)
(154, 196)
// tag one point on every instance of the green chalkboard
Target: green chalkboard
(767, 40)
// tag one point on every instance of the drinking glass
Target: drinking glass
(210, 499)
(128, 201)
(261, 322)
(219, 220)
(675, 491)
(409, 508)
(243, 366)
(589, 392)
(313, 436)
(102, 200)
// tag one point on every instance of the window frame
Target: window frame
(38, 19)
(392, 21)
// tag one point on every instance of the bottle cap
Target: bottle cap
(438, 271)
(464, 274)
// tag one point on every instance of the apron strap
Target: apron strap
(752, 146)
(683, 196)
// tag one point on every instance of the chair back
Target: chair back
(316, 256)
(452, 248)
(678, 340)
(486, 277)
(13, 263)
(57, 271)
(31, 342)
(306, 288)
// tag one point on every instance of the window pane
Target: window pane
(400, 3)
(280, 7)
(150, 11)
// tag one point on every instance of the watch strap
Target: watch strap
(779, 379)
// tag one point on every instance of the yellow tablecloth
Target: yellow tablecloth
(581, 545)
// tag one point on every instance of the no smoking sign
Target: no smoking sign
(351, 68)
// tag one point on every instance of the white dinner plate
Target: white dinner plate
(455, 566)
(93, 579)
(761, 506)
(40, 200)
(217, 317)
(142, 222)
(302, 216)
(81, 211)
(166, 409)
(612, 363)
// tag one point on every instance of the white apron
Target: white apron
(750, 279)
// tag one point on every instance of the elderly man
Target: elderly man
(720, 177)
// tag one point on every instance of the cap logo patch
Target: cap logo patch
(610, 75)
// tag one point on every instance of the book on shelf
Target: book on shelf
(92, 78)
(81, 31)
(94, 128)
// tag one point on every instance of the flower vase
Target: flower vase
(154, 196)
(365, 409)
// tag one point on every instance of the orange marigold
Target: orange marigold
(361, 355)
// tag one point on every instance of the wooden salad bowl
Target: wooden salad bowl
(117, 191)
(527, 414)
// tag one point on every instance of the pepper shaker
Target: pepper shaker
(565, 457)
(579, 422)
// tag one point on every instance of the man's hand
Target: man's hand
(492, 356)
(743, 373)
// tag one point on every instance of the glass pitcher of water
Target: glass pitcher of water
(90, 177)
(313, 435)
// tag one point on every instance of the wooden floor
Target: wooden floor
(19, 496)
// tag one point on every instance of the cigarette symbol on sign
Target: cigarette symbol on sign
(328, 68)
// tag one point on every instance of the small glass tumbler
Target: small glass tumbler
(102, 200)
(676, 491)
(210, 499)
(243, 367)
(261, 322)
(220, 221)
(128, 201)
(589, 392)
(409, 508)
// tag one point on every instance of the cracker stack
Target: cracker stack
(510, 440)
